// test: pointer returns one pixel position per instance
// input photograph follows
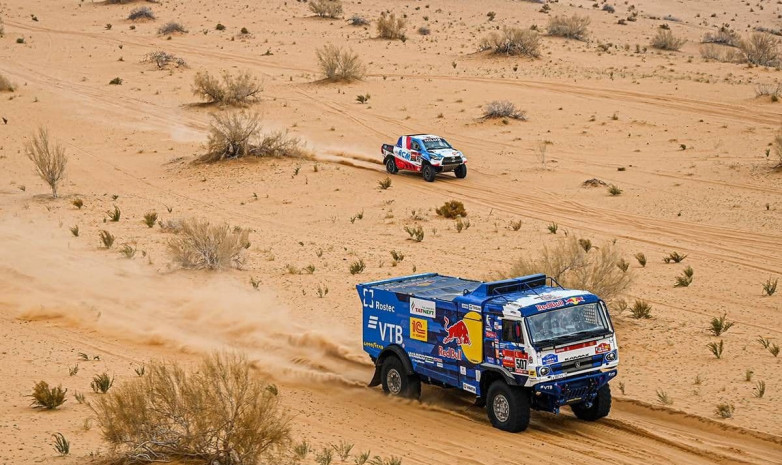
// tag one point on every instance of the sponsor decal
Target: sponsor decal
(457, 332)
(491, 335)
(477, 375)
(547, 387)
(449, 352)
(372, 323)
(521, 365)
(462, 370)
(575, 346)
(419, 329)
(469, 388)
(388, 331)
(603, 348)
(424, 308)
(384, 307)
(368, 299)
(549, 359)
(491, 360)
(508, 362)
(574, 300)
(424, 358)
(373, 345)
(573, 357)
(545, 297)
(550, 305)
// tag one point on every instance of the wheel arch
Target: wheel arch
(389, 351)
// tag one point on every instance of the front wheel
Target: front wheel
(391, 165)
(599, 408)
(396, 382)
(429, 173)
(461, 171)
(508, 407)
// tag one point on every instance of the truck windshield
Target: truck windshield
(435, 144)
(565, 325)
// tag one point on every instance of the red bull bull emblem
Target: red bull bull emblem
(457, 332)
(574, 300)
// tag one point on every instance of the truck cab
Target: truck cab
(516, 345)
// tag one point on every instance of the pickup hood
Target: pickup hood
(446, 152)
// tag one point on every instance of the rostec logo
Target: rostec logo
(419, 329)
(424, 308)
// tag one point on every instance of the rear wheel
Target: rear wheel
(508, 407)
(461, 171)
(391, 165)
(599, 408)
(396, 382)
(429, 173)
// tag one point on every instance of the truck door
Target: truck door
(513, 349)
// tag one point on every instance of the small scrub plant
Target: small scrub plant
(614, 190)
(117, 81)
(416, 233)
(101, 383)
(674, 257)
(390, 27)
(664, 398)
(452, 209)
(765, 342)
(724, 410)
(171, 27)
(748, 373)
(461, 225)
(342, 449)
(234, 90)
(720, 325)
(322, 291)
(498, 109)
(75, 230)
(204, 245)
(150, 218)
(301, 450)
(5, 84)
(685, 279)
(79, 397)
(72, 371)
(397, 256)
(340, 64)
(115, 214)
(48, 158)
(515, 225)
(761, 49)
(665, 40)
(623, 265)
(78, 203)
(641, 309)
(424, 30)
(325, 456)
(512, 41)
(641, 259)
(140, 371)
(107, 239)
(362, 99)
(357, 267)
(553, 228)
(774, 349)
(237, 134)
(128, 251)
(331, 9)
(358, 20)
(141, 13)
(770, 287)
(61, 444)
(362, 458)
(384, 183)
(585, 244)
(716, 348)
(760, 389)
(163, 60)
(220, 27)
(46, 397)
(571, 27)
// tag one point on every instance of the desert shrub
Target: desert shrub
(61, 445)
(142, 12)
(664, 398)
(665, 40)
(641, 259)
(235, 90)
(770, 286)
(513, 41)
(201, 244)
(503, 109)
(101, 383)
(357, 20)
(5, 84)
(614, 190)
(171, 27)
(686, 278)
(722, 54)
(46, 397)
(217, 414)
(608, 8)
(163, 59)
(338, 64)
(357, 267)
(231, 135)
(760, 389)
(723, 36)
(761, 49)
(424, 30)
(674, 257)
(114, 214)
(451, 209)
(552, 228)
(150, 218)
(571, 27)
(278, 144)
(720, 325)
(390, 27)
(765, 90)
(716, 349)
(724, 410)
(416, 233)
(575, 268)
(327, 8)
(49, 159)
(107, 239)
(641, 309)
(384, 183)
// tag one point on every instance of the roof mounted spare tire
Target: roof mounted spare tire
(391, 165)
(429, 172)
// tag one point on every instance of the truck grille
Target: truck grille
(452, 160)
(578, 364)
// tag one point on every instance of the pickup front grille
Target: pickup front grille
(452, 160)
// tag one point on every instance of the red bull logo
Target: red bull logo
(457, 332)
(574, 300)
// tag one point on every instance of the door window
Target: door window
(511, 331)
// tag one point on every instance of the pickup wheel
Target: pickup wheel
(461, 171)
(599, 408)
(508, 407)
(391, 165)
(429, 173)
(396, 382)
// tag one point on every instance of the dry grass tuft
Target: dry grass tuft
(327, 8)
(723, 36)
(575, 268)
(513, 41)
(390, 27)
(571, 27)
(164, 59)
(171, 27)
(5, 84)
(46, 397)
(141, 13)
(237, 134)
(503, 109)
(338, 64)
(239, 90)
(49, 159)
(201, 244)
(761, 49)
(721, 53)
(665, 40)
(218, 413)
(452, 209)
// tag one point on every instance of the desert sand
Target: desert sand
(689, 134)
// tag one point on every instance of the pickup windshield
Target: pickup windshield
(565, 325)
(436, 144)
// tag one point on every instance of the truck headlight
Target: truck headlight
(543, 371)
(611, 356)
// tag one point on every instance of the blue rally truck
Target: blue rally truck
(517, 344)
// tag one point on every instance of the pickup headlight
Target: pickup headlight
(543, 371)
(611, 356)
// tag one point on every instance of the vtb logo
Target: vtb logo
(389, 332)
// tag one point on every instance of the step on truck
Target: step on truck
(516, 345)
(424, 153)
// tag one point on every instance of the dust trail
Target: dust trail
(45, 275)
(356, 160)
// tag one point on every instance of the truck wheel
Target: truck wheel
(391, 165)
(599, 408)
(396, 382)
(508, 407)
(429, 173)
(461, 171)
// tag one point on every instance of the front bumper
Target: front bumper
(573, 390)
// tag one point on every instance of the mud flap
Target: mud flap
(376, 377)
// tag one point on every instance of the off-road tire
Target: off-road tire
(396, 382)
(599, 408)
(391, 165)
(508, 407)
(428, 172)
(461, 171)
